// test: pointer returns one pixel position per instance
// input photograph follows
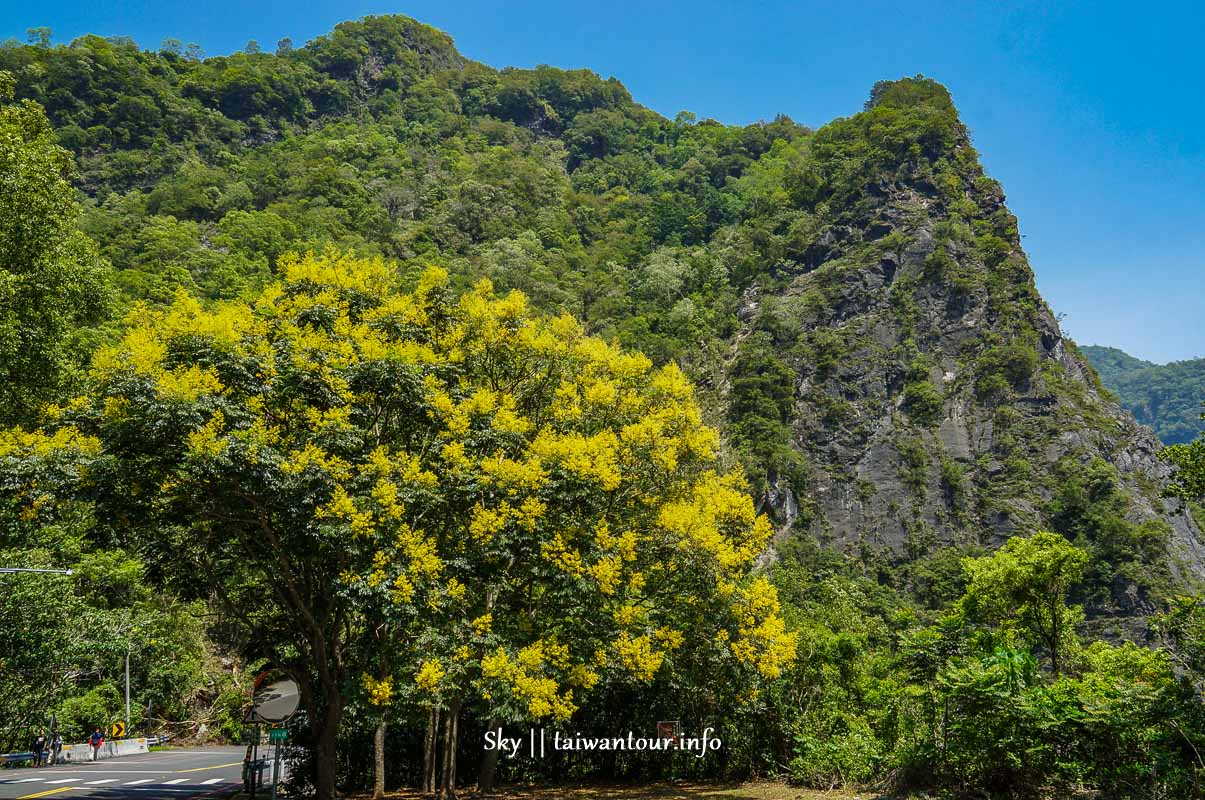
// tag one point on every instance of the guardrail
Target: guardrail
(8, 759)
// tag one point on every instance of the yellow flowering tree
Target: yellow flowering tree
(582, 530)
(527, 510)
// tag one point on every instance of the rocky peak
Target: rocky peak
(936, 403)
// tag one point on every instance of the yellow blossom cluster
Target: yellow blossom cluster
(763, 641)
(526, 676)
(188, 383)
(512, 475)
(338, 270)
(342, 508)
(380, 692)
(719, 519)
(601, 357)
(430, 676)
(311, 456)
(485, 523)
(592, 458)
(607, 571)
(562, 555)
(39, 444)
(671, 429)
(421, 552)
(481, 403)
(207, 441)
(623, 544)
(483, 624)
(637, 656)
(402, 466)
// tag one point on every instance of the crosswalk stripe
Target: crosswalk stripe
(206, 769)
(103, 780)
(135, 783)
(29, 780)
(177, 780)
(65, 780)
(211, 781)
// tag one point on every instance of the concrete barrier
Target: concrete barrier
(83, 753)
(73, 753)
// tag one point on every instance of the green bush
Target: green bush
(954, 485)
(915, 463)
(98, 708)
(924, 402)
(849, 758)
(1004, 366)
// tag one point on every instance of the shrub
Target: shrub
(923, 402)
(1003, 367)
(843, 759)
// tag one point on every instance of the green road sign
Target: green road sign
(278, 735)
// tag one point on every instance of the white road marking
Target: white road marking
(29, 780)
(211, 781)
(177, 780)
(135, 783)
(113, 771)
(160, 789)
(103, 780)
(66, 780)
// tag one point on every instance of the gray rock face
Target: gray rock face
(917, 306)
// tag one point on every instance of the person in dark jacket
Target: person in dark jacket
(39, 749)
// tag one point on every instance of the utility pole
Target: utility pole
(128, 631)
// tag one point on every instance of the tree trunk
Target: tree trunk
(378, 753)
(325, 729)
(447, 785)
(487, 778)
(429, 752)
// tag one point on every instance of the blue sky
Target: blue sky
(1090, 114)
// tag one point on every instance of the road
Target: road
(193, 774)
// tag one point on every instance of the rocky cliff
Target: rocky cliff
(936, 404)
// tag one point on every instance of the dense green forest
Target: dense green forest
(1165, 396)
(430, 383)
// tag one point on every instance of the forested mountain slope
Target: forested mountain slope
(853, 301)
(1167, 397)
(443, 511)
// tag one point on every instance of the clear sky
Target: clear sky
(1090, 114)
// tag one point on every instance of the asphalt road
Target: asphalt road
(194, 774)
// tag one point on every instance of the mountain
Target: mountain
(1111, 363)
(1167, 397)
(853, 302)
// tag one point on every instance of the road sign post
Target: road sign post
(274, 700)
(275, 767)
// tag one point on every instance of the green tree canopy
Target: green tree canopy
(1023, 586)
(51, 276)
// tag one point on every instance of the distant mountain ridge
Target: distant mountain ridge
(1166, 397)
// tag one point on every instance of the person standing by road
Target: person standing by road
(95, 741)
(56, 748)
(39, 749)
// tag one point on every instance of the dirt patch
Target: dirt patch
(747, 791)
